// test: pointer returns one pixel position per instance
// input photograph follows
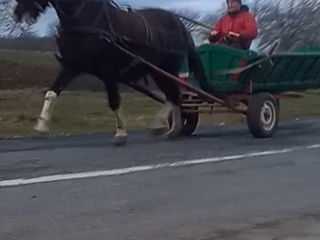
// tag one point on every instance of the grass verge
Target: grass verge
(88, 112)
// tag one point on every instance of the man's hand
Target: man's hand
(214, 36)
(231, 37)
(214, 33)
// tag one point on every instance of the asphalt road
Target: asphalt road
(219, 184)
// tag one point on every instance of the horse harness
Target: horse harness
(120, 42)
(105, 12)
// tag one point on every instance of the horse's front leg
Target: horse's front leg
(114, 98)
(121, 135)
(63, 79)
(176, 121)
(172, 107)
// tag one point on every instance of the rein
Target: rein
(197, 23)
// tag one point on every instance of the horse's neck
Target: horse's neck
(94, 14)
(66, 10)
(62, 9)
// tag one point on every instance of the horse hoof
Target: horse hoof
(174, 133)
(171, 135)
(158, 131)
(41, 128)
(120, 141)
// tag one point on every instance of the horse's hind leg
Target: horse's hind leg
(112, 89)
(172, 93)
(63, 79)
(160, 124)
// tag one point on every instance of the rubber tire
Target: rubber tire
(254, 115)
(190, 123)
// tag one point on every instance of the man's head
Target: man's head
(234, 6)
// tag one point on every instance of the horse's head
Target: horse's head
(28, 10)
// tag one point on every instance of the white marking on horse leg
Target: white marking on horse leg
(161, 119)
(160, 124)
(46, 113)
(121, 135)
(120, 125)
(58, 54)
(176, 121)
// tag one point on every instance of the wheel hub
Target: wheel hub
(268, 118)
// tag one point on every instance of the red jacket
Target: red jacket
(243, 23)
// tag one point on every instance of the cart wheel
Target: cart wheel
(263, 115)
(190, 123)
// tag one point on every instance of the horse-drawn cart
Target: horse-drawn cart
(247, 83)
(236, 81)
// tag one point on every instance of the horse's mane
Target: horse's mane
(113, 3)
(121, 6)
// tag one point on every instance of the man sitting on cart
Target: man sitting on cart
(237, 28)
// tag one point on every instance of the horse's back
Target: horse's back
(166, 29)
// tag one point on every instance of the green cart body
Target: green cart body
(294, 71)
(249, 83)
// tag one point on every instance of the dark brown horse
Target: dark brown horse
(88, 36)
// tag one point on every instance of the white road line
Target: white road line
(314, 146)
(124, 171)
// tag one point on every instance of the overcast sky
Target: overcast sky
(199, 5)
(204, 6)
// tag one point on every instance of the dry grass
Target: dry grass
(75, 113)
(23, 69)
(87, 112)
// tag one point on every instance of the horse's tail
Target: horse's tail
(195, 64)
